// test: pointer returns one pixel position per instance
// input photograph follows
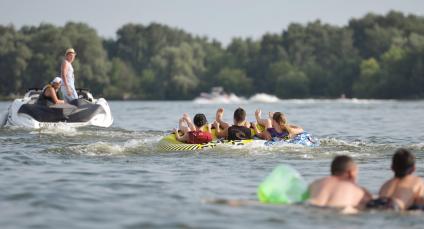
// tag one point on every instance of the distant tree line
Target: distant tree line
(372, 57)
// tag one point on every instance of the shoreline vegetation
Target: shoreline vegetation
(373, 57)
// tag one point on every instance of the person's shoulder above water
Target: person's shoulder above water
(340, 189)
(404, 189)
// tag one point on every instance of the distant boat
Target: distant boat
(218, 95)
(264, 98)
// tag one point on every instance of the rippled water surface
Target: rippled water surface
(117, 178)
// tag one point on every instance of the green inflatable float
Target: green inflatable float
(283, 186)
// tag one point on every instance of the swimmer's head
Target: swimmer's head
(403, 163)
(199, 120)
(344, 166)
(239, 115)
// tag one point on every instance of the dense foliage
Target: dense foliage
(372, 57)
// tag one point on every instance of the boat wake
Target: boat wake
(93, 141)
(264, 98)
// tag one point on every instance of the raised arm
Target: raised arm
(220, 133)
(266, 122)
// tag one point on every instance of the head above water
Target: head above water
(344, 166)
(280, 118)
(239, 115)
(403, 163)
(199, 120)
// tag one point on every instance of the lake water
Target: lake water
(117, 178)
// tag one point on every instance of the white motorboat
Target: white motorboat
(86, 111)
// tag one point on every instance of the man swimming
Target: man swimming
(404, 191)
(340, 189)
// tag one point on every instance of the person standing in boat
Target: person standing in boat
(67, 75)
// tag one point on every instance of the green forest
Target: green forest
(376, 56)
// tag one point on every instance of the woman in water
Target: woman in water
(276, 127)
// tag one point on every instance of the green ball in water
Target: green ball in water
(283, 186)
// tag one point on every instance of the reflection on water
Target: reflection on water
(117, 178)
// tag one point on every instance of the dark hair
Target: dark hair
(199, 120)
(403, 162)
(340, 164)
(239, 115)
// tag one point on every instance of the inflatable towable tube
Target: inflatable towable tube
(170, 143)
(304, 139)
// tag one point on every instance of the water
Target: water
(116, 178)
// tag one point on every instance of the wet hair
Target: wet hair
(199, 120)
(403, 163)
(239, 115)
(340, 164)
(281, 119)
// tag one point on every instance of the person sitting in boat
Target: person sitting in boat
(276, 127)
(51, 93)
(340, 189)
(404, 191)
(193, 132)
(240, 130)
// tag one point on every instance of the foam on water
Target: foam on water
(100, 148)
(59, 128)
(3, 119)
(264, 98)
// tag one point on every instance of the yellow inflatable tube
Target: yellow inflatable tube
(170, 143)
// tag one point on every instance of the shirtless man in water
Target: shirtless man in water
(340, 189)
(404, 190)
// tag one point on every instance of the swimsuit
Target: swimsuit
(239, 133)
(382, 203)
(275, 134)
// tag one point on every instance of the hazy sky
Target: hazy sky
(219, 19)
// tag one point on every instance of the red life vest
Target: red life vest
(199, 137)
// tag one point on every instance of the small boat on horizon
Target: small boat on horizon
(218, 95)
